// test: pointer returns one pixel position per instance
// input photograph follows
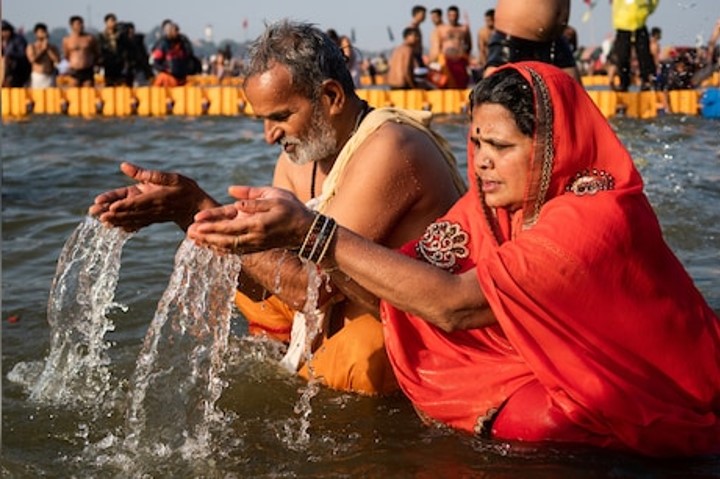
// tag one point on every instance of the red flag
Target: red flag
(245, 24)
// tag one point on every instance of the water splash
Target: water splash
(315, 319)
(296, 434)
(277, 286)
(76, 371)
(177, 380)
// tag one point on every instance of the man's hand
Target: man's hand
(157, 197)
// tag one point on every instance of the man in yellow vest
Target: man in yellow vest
(629, 17)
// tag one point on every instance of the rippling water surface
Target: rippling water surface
(52, 169)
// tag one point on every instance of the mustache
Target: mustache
(289, 140)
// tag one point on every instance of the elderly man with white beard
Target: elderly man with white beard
(382, 173)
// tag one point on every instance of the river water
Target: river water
(272, 425)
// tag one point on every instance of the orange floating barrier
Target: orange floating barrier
(685, 101)
(210, 99)
(605, 100)
(53, 97)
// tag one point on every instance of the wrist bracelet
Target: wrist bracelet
(318, 238)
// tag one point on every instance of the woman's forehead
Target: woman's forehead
(488, 117)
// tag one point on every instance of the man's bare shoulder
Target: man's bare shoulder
(398, 150)
(402, 181)
(400, 139)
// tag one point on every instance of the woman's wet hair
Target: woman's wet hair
(310, 55)
(510, 89)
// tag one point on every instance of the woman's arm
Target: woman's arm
(266, 218)
(450, 302)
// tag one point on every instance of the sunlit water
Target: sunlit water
(76, 370)
(242, 415)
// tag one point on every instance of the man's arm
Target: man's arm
(434, 44)
(66, 48)
(408, 66)
(30, 53)
(53, 53)
(277, 272)
(467, 40)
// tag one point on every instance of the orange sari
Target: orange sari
(601, 337)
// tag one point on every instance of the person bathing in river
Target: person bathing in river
(380, 173)
(545, 305)
(454, 44)
(519, 36)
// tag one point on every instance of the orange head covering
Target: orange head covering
(591, 304)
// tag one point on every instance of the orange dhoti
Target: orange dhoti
(352, 359)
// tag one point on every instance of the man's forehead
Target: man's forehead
(276, 77)
(272, 91)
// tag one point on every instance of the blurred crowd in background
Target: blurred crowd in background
(453, 56)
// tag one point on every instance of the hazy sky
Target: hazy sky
(681, 21)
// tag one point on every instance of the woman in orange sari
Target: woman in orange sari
(546, 305)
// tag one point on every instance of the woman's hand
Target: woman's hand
(262, 218)
(157, 197)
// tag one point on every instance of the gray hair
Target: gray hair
(308, 53)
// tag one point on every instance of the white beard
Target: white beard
(319, 143)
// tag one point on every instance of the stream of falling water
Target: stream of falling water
(296, 435)
(76, 371)
(171, 412)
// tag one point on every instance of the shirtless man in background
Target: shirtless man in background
(418, 13)
(81, 50)
(437, 21)
(519, 36)
(43, 57)
(400, 74)
(455, 46)
(483, 37)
